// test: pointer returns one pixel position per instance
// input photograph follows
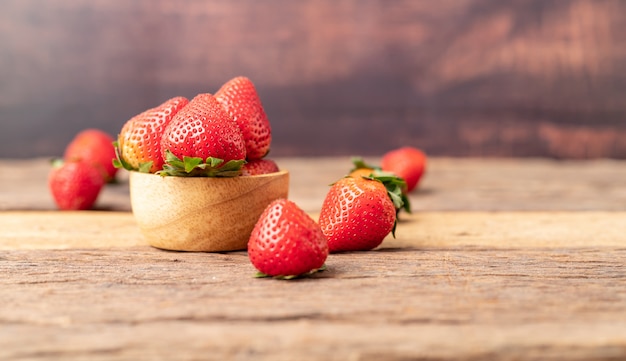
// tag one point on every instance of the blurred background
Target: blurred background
(337, 77)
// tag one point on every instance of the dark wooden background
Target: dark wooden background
(454, 77)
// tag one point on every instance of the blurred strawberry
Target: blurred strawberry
(94, 146)
(75, 184)
(407, 163)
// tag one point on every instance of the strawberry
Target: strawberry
(75, 184)
(138, 145)
(259, 166)
(407, 163)
(241, 100)
(202, 140)
(94, 146)
(286, 242)
(359, 212)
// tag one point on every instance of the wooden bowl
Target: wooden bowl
(199, 213)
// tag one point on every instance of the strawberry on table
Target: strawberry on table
(259, 166)
(408, 163)
(138, 145)
(241, 100)
(94, 146)
(75, 184)
(359, 212)
(203, 140)
(286, 242)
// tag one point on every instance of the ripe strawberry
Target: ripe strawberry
(259, 166)
(407, 163)
(75, 184)
(286, 242)
(241, 100)
(94, 146)
(358, 213)
(138, 145)
(202, 140)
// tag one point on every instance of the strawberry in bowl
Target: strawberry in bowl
(193, 185)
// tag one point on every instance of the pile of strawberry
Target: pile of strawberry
(357, 214)
(214, 135)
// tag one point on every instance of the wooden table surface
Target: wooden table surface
(503, 259)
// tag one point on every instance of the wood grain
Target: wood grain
(450, 184)
(102, 229)
(504, 259)
(454, 77)
(392, 304)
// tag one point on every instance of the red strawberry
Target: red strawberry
(259, 166)
(94, 146)
(286, 242)
(241, 100)
(358, 213)
(139, 142)
(75, 185)
(203, 140)
(407, 163)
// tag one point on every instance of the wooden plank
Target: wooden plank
(463, 303)
(502, 259)
(450, 184)
(71, 229)
(511, 229)
(98, 229)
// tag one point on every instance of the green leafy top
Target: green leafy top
(187, 167)
(198, 167)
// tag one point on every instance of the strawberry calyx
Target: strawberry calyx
(198, 167)
(291, 277)
(119, 161)
(394, 185)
